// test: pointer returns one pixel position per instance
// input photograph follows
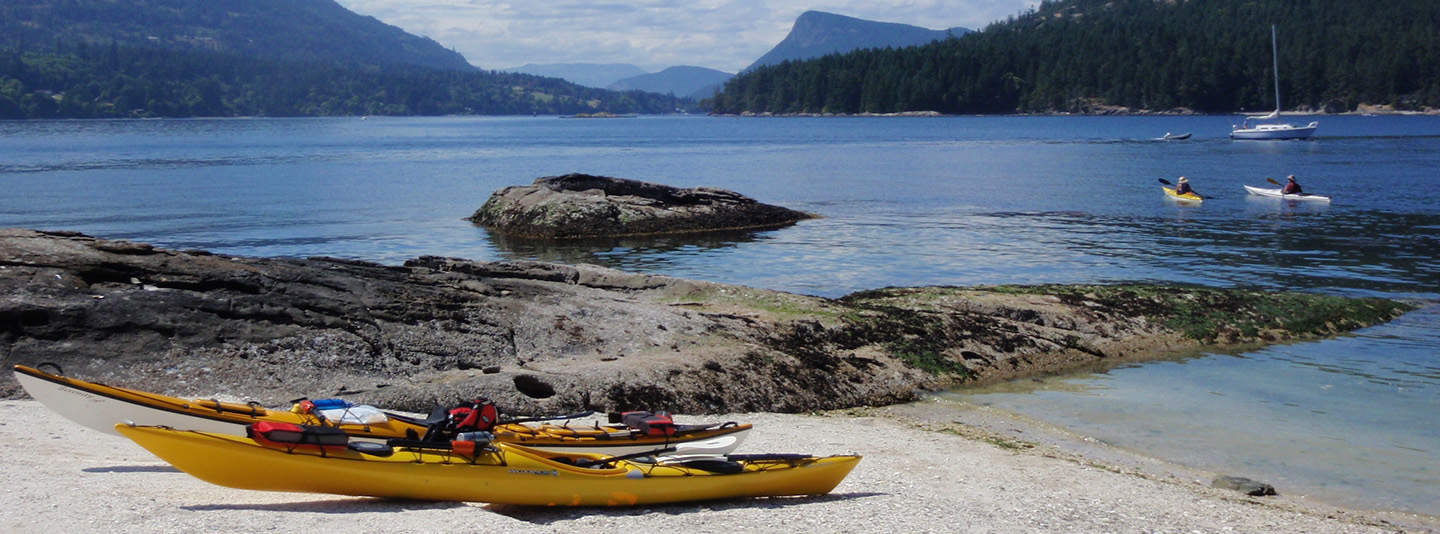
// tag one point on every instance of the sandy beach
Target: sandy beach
(917, 476)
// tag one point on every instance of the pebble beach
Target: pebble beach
(916, 476)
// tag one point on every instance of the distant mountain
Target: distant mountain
(598, 75)
(683, 81)
(286, 30)
(817, 33)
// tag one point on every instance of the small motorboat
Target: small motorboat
(1176, 137)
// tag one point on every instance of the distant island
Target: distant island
(598, 115)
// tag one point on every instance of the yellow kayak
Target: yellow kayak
(100, 407)
(1187, 197)
(496, 472)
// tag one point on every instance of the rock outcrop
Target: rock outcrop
(1243, 485)
(547, 338)
(575, 206)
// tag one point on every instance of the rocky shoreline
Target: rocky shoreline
(548, 338)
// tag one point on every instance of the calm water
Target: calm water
(959, 200)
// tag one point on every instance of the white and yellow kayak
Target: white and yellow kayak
(1191, 198)
(1276, 193)
(100, 407)
(494, 472)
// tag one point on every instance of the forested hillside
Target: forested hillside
(113, 81)
(1075, 55)
(289, 30)
(206, 58)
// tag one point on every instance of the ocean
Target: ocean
(904, 201)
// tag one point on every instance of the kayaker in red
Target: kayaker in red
(1183, 186)
(1291, 186)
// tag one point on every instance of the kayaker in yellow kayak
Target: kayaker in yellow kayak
(1183, 187)
(1291, 186)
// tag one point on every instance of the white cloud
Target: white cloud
(721, 34)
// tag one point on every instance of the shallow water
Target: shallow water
(1349, 420)
(906, 201)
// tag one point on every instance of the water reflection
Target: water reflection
(635, 253)
(1267, 206)
(1295, 250)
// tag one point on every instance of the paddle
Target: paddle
(1167, 182)
(1272, 180)
(585, 462)
(545, 418)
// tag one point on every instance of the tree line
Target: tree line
(89, 81)
(1208, 56)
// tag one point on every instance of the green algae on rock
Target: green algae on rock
(1214, 315)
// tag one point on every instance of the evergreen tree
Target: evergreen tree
(1067, 55)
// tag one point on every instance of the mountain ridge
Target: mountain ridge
(597, 75)
(686, 81)
(273, 58)
(819, 33)
(286, 30)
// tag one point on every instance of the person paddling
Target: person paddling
(1183, 186)
(1291, 186)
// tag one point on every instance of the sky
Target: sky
(653, 34)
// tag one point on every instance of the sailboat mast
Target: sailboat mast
(1275, 56)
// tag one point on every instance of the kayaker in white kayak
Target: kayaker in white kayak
(1291, 186)
(1183, 186)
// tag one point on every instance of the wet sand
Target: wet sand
(916, 477)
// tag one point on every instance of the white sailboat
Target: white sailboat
(1245, 130)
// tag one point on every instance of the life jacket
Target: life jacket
(1291, 188)
(475, 416)
(290, 436)
(650, 424)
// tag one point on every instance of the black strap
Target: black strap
(401, 443)
(765, 457)
(613, 459)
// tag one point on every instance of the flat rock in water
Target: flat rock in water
(576, 206)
